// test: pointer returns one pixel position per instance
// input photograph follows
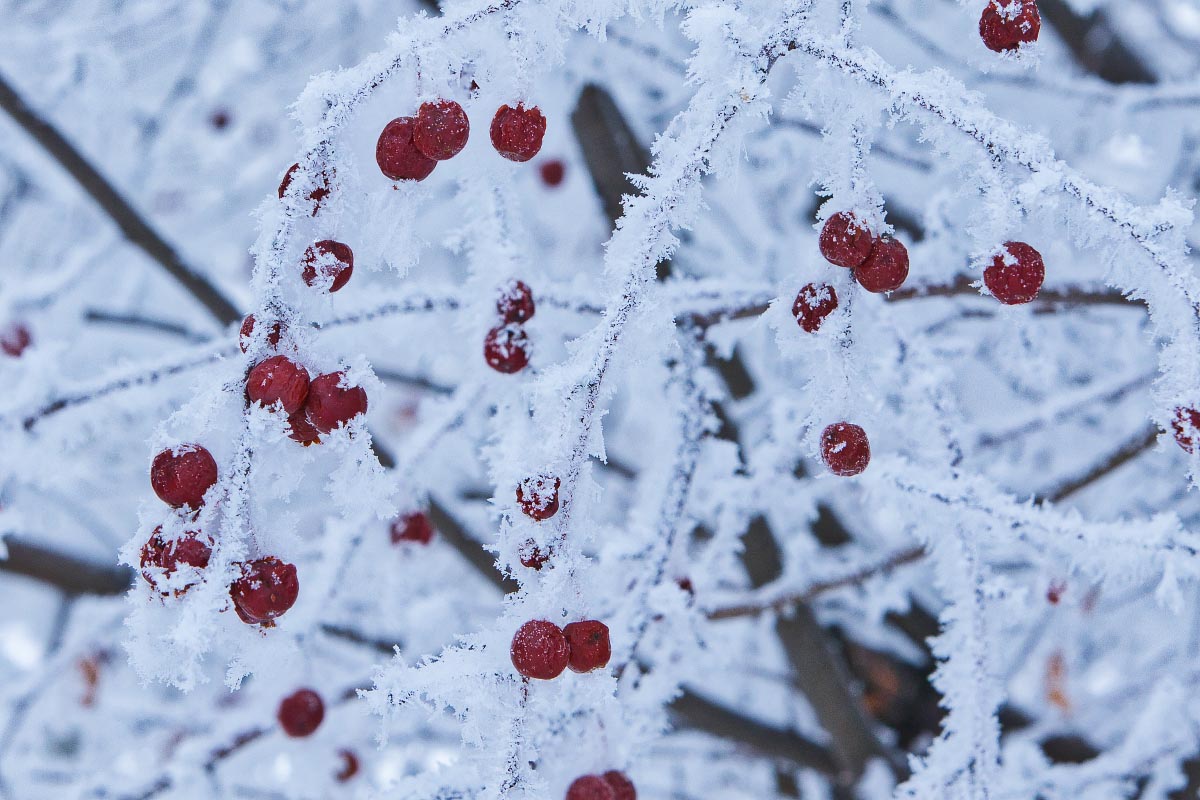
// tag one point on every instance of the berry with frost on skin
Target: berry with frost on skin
(590, 647)
(349, 766)
(15, 339)
(517, 132)
(538, 497)
(540, 650)
(621, 785)
(844, 241)
(553, 172)
(441, 130)
(266, 589)
(1016, 274)
(1185, 426)
(328, 262)
(301, 430)
(506, 349)
(278, 380)
(591, 787)
(415, 527)
(161, 557)
(300, 713)
(515, 303)
(814, 302)
(886, 268)
(532, 556)
(396, 154)
(330, 404)
(246, 337)
(182, 475)
(1007, 24)
(845, 449)
(318, 194)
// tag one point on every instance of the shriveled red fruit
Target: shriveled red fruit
(415, 527)
(844, 241)
(621, 785)
(349, 766)
(517, 132)
(301, 430)
(590, 647)
(161, 554)
(267, 588)
(397, 155)
(532, 556)
(1016, 274)
(540, 650)
(246, 337)
(1185, 425)
(886, 267)
(15, 339)
(182, 475)
(845, 449)
(300, 713)
(515, 303)
(538, 497)
(814, 302)
(330, 404)
(590, 787)
(441, 129)
(319, 193)
(506, 349)
(1007, 24)
(553, 172)
(278, 380)
(329, 263)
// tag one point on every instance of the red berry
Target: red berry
(591, 787)
(415, 527)
(300, 713)
(397, 155)
(517, 132)
(328, 263)
(540, 650)
(441, 129)
(1016, 274)
(532, 556)
(15, 339)
(161, 554)
(349, 766)
(181, 476)
(685, 584)
(1185, 425)
(506, 349)
(267, 588)
(538, 497)
(246, 338)
(885, 268)
(316, 195)
(1054, 592)
(844, 241)
(621, 785)
(278, 380)
(330, 404)
(1007, 24)
(814, 302)
(553, 172)
(590, 647)
(301, 430)
(515, 303)
(845, 449)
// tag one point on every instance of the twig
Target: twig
(69, 573)
(1136, 445)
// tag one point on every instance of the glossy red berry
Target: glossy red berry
(330, 404)
(267, 588)
(814, 302)
(278, 380)
(349, 766)
(301, 430)
(300, 713)
(416, 527)
(506, 349)
(540, 650)
(844, 241)
(591, 787)
(1016, 274)
(517, 132)
(15, 339)
(318, 194)
(182, 475)
(1007, 24)
(886, 268)
(538, 497)
(621, 785)
(246, 337)
(161, 557)
(441, 129)
(515, 303)
(397, 155)
(553, 172)
(590, 647)
(845, 449)
(1186, 426)
(328, 264)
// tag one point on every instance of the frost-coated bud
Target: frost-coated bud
(590, 647)
(1016, 274)
(330, 404)
(515, 303)
(844, 241)
(278, 380)
(1186, 427)
(267, 588)
(538, 497)
(506, 349)
(330, 261)
(814, 302)
(300, 713)
(591, 787)
(160, 557)
(886, 268)
(397, 155)
(182, 475)
(517, 132)
(845, 449)
(1007, 24)
(441, 130)
(621, 785)
(540, 650)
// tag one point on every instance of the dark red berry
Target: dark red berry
(397, 155)
(328, 264)
(844, 241)
(1186, 425)
(538, 497)
(318, 194)
(267, 588)
(415, 527)
(515, 303)
(814, 302)
(1054, 592)
(1016, 274)
(886, 267)
(349, 766)
(532, 556)
(540, 650)
(15, 339)
(621, 785)
(278, 380)
(301, 430)
(246, 338)
(845, 449)
(591, 787)
(161, 557)
(1007, 24)
(506, 349)
(300, 713)
(330, 404)
(220, 119)
(686, 585)
(182, 475)
(441, 129)
(553, 172)
(517, 132)
(590, 647)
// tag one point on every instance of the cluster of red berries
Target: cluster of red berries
(415, 527)
(542, 650)
(14, 339)
(879, 263)
(1007, 24)
(537, 497)
(506, 346)
(313, 406)
(180, 477)
(612, 785)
